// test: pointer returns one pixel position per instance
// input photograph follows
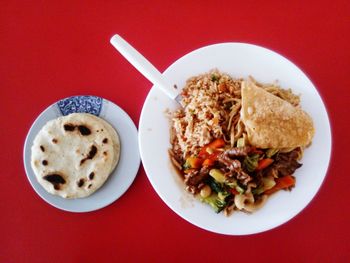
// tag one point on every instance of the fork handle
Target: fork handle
(143, 65)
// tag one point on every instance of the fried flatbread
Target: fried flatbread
(73, 155)
(272, 122)
(115, 139)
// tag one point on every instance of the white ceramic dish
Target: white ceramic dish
(120, 179)
(238, 60)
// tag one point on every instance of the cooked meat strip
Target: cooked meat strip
(238, 151)
(243, 177)
(285, 164)
(234, 165)
(175, 159)
(195, 177)
(231, 164)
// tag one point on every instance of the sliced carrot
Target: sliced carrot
(211, 159)
(217, 143)
(193, 162)
(208, 162)
(281, 183)
(262, 164)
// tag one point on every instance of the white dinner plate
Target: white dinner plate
(238, 60)
(120, 179)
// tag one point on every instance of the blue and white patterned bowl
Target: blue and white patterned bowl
(81, 104)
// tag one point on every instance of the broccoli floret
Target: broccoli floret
(214, 185)
(215, 202)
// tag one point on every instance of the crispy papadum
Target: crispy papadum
(272, 122)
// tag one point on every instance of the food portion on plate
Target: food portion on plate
(72, 156)
(237, 141)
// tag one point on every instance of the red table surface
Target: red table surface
(53, 49)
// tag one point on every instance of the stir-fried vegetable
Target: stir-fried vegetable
(251, 162)
(217, 175)
(193, 162)
(282, 183)
(208, 162)
(262, 164)
(215, 202)
(210, 148)
(220, 171)
(206, 157)
(267, 184)
(215, 185)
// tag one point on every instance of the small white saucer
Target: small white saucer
(121, 178)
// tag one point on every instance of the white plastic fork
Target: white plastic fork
(145, 67)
